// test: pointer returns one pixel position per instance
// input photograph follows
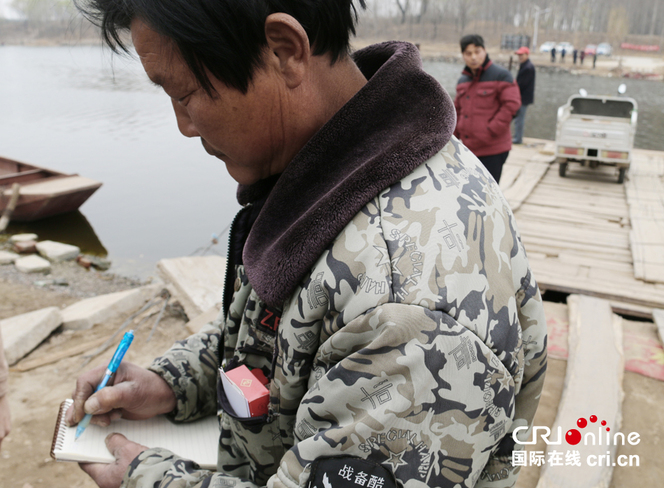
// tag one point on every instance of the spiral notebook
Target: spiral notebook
(196, 441)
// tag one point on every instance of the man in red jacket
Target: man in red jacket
(486, 101)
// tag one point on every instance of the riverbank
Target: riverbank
(627, 65)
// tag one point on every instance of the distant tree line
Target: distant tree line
(435, 19)
(613, 17)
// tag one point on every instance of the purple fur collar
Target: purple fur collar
(398, 120)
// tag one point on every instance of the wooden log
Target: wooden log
(9, 209)
(38, 362)
(593, 386)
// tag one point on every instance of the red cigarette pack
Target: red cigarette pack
(245, 392)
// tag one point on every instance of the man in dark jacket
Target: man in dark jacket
(486, 101)
(526, 81)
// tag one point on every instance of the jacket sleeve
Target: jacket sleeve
(404, 388)
(525, 79)
(500, 471)
(509, 99)
(190, 368)
(457, 108)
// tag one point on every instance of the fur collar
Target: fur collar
(397, 121)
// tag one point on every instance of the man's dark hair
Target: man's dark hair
(469, 39)
(226, 37)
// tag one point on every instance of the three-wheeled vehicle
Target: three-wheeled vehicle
(596, 130)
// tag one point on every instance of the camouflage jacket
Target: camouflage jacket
(404, 337)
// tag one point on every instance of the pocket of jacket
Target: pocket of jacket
(486, 98)
(224, 404)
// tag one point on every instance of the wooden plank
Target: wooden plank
(528, 178)
(546, 214)
(576, 246)
(554, 275)
(658, 318)
(576, 233)
(631, 310)
(509, 176)
(593, 385)
(605, 255)
(594, 262)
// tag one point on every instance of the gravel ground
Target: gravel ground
(80, 282)
(67, 278)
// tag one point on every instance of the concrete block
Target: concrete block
(33, 264)
(198, 281)
(22, 237)
(91, 311)
(7, 257)
(57, 251)
(22, 333)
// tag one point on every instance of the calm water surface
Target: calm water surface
(79, 110)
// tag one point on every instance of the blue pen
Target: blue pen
(112, 368)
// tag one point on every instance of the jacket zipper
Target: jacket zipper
(230, 274)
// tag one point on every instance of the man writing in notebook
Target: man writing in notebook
(375, 275)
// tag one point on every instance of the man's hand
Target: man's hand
(137, 393)
(110, 475)
(5, 419)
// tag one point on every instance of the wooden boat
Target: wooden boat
(43, 192)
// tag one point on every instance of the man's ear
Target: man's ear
(287, 39)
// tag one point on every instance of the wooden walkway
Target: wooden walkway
(585, 233)
(603, 243)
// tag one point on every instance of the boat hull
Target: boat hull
(43, 193)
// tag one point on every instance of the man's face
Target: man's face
(243, 130)
(523, 57)
(474, 56)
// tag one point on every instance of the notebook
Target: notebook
(196, 441)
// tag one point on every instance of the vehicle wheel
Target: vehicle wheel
(562, 169)
(621, 175)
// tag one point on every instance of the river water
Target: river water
(81, 110)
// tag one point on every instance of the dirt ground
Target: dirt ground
(35, 396)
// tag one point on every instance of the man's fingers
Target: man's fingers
(94, 470)
(85, 386)
(109, 398)
(122, 448)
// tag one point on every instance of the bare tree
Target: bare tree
(403, 9)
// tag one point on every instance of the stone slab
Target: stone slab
(7, 257)
(23, 237)
(57, 251)
(22, 333)
(86, 313)
(33, 264)
(197, 323)
(198, 281)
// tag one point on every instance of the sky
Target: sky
(6, 11)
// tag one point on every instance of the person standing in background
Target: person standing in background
(575, 53)
(582, 56)
(553, 54)
(486, 101)
(525, 78)
(5, 419)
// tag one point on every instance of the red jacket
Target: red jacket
(486, 104)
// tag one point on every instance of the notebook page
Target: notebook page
(195, 440)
